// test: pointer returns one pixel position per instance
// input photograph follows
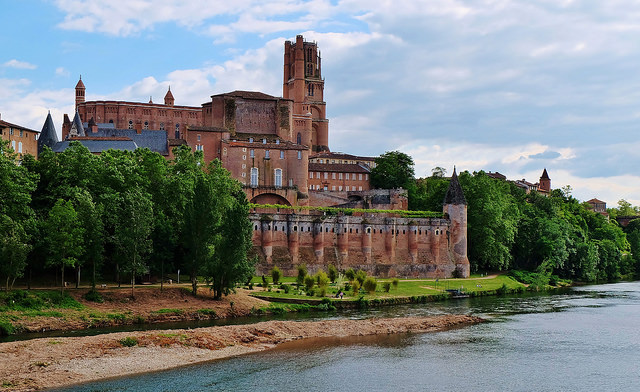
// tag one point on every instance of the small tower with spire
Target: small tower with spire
(545, 182)
(168, 98)
(455, 209)
(80, 90)
(76, 126)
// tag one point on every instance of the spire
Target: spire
(48, 136)
(454, 193)
(80, 84)
(168, 98)
(76, 126)
(544, 174)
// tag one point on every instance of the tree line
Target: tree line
(509, 229)
(120, 215)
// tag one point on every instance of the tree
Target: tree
(302, 273)
(394, 169)
(275, 274)
(64, 237)
(438, 172)
(332, 272)
(230, 263)
(133, 232)
(13, 250)
(90, 217)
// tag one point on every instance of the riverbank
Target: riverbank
(47, 363)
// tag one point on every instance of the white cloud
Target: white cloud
(19, 64)
(61, 71)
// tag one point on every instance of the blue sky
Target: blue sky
(504, 85)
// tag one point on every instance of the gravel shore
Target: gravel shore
(46, 363)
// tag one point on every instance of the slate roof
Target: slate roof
(338, 167)
(77, 124)
(454, 194)
(595, 201)
(248, 95)
(340, 155)
(544, 174)
(98, 145)
(48, 136)
(151, 139)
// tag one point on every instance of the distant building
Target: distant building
(599, 206)
(21, 139)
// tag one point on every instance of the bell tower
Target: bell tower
(304, 85)
(80, 90)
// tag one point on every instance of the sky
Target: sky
(513, 86)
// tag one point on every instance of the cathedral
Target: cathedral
(278, 148)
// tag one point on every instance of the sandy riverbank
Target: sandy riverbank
(46, 363)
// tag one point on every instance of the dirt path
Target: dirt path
(46, 363)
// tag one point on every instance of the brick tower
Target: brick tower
(545, 182)
(304, 85)
(455, 207)
(80, 90)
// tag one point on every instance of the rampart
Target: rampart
(381, 245)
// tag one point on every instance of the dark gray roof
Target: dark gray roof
(454, 194)
(48, 136)
(151, 139)
(98, 146)
(77, 125)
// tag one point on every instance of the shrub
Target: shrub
(250, 286)
(370, 285)
(6, 328)
(302, 273)
(128, 341)
(395, 283)
(309, 282)
(93, 296)
(322, 291)
(276, 274)
(286, 288)
(321, 279)
(361, 276)
(355, 285)
(332, 272)
(350, 274)
(502, 290)
(386, 286)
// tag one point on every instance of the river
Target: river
(587, 339)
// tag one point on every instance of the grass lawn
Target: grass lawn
(406, 288)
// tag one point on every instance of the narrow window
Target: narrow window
(278, 178)
(281, 154)
(162, 126)
(311, 175)
(250, 140)
(251, 154)
(299, 154)
(254, 177)
(130, 124)
(299, 138)
(277, 141)
(266, 154)
(198, 137)
(20, 146)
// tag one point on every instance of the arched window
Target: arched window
(254, 177)
(111, 121)
(177, 131)
(299, 138)
(146, 125)
(278, 178)
(311, 90)
(130, 124)
(162, 126)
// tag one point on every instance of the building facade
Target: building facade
(22, 140)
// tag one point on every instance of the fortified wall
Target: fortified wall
(381, 245)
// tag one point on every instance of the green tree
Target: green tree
(302, 273)
(332, 272)
(394, 169)
(64, 237)
(275, 274)
(13, 250)
(90, 218)
(133, 232)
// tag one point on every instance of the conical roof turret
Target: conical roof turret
(80, 84)
(168, 98)
(454, 194)
(48, 136)
(76, 126)
(544, 174)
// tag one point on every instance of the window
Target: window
(291, 182)
(299, 154)
(250, 140)
(146, 125)
(339, 176)
(11, 131)
(198, 137)
(299, 138)
(360, 176)
(21, 133)
(340, 188)
(359, 188)
(277, 141)
(317, 174)
(130, 124)
(264, 141)
(199, 147)
(266, 154)
(310, 89)
(254, 177)
(311, 175)
(251, 154)
(325, 188)
(13, 145)
(20, 146)
(278, 178)
(366, 177)
(333, 176)
(281, 154)
(162, 126)
(347, 176)
(326, 175)
(333, 188)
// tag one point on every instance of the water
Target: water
(587, 339)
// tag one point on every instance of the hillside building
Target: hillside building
(22, 140)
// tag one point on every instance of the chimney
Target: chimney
(66, 126)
